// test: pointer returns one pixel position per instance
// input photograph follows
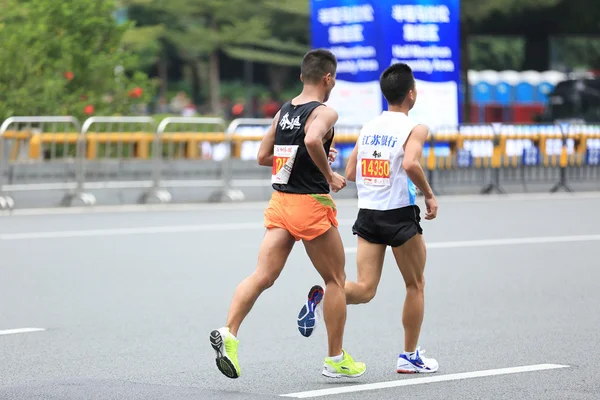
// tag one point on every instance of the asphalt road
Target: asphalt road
(127, 300)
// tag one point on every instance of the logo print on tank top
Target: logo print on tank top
(286, 124)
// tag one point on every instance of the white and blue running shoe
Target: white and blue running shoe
(416, 364)
(307, 320)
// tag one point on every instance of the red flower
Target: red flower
(69, 75)
(89, 109)
(137, 92)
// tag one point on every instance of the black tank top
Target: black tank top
(305, 178)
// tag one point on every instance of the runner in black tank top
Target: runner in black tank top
(305, 178)
(295, 148)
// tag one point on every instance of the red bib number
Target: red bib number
(375, 168)
(283, 162)
(278, 163)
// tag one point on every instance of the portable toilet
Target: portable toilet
(505, 88)
(472, 81)
(493, 112)
(526, 88)
(483, 90)
(548, 81)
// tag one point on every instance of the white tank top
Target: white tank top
(381, 181)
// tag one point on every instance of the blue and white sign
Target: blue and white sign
(464, 159)
(367, 36)
(425, 35)
(531, 156)
(593, 157)
(348, 28)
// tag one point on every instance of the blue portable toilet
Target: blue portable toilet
(484, 83)
(526, 88)
(472, 81)
(548, 80)
(505, 88)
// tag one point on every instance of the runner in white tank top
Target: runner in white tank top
(381, 182)
(386, 166)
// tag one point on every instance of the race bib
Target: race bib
(375, 166)
(283, 162)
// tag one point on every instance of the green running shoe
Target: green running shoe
(347, 368)
(226, 346)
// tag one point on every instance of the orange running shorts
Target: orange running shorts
(304, 216)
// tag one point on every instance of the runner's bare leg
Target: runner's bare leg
(272, 256)
(327, 255)
(411, 259)
(369, 263)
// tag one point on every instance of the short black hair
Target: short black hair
(395, 82)
(316, 64)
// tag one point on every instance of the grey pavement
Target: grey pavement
(127, 315)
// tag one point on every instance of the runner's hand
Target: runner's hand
(332, 155)
(337, 182)
(432, 207)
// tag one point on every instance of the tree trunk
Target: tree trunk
(195, 80)
(215, 83)
(277, 77)
(163, 74)
(249, 81)
(200, 65)
(537, 52)
(214, 75)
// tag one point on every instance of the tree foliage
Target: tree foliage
(271, 32)
(59, 58)
(474, 11)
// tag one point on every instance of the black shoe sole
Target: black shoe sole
(224, 364)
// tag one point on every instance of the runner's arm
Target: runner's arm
(412, 156)
(265, 152)
(318, 129)
(351, 166)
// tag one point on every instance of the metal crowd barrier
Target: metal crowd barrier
(56, 153)
(495, 155)
(188, 141)
(240, 132)
(45, 144)
(114, 145)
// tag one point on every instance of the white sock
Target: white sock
(337, 359)
(411, 354)
(230, 334)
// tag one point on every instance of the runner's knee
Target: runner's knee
(418, 284)
(367, 293)
(336, 278)
(265, 281)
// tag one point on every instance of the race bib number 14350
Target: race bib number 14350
(375, 167)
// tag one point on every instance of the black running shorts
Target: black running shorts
(391, 227)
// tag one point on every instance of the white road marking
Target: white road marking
(145, 230)
(504, 242)
(256, 205)
(20, 330)
(420, 381)
(129, 231)
(151, 230)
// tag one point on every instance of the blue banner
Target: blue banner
(425, 35)
(367, 36)
(349, 29)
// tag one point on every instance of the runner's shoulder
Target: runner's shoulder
(322, 111)
(420, 131)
